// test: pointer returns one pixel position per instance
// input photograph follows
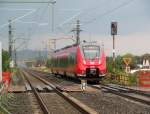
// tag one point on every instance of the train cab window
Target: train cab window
(91, 52)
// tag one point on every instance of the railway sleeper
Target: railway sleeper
(46, 88)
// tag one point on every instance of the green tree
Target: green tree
(48, 64)
(5, 60)
(119, 62)
(133, 60)
(109, 64)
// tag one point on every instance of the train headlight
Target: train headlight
(99, 62)
(83, 72)
(84, 62)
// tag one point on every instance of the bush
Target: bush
(132, 79)
(48, 64)
(5, 61)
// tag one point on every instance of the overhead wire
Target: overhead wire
(30, 11)
(33, 30)
(101, 15)
(108, 12)
(81, 12)
(40, 18)
(97, 17)
(74, 16)
(10, 9)
(16, 19)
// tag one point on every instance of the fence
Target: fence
(124, 79)
(140, 79)
(144, 79)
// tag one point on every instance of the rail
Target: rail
(127, 93)
(39, 98)
(76, 103)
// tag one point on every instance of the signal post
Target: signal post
(83, 84)
(113, 33)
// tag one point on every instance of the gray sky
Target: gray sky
(95, 15)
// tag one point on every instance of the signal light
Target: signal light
(113, 28)
(84, 62)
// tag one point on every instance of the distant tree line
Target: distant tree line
(120, 65)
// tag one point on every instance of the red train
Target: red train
(86, 60)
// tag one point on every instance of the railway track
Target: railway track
(57, 97)
(56, 78)
(101, 101)
(131, 94)
(125, 92)
(127, 89)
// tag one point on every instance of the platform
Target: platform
(16, 88)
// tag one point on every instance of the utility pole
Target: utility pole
(54, 42)
(53, 3)
(113, 48)
(77, 30)
(44, 44)
(10, 40)
(49, 49)
(15, 56)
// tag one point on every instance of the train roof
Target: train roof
(85, 43)
(66, 47)
(74, 45)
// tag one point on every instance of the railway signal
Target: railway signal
(113, 33)
(113, 28)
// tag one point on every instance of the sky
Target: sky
(34, 22)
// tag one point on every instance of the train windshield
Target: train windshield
(91, 52)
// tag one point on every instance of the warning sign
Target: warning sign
(127, 61)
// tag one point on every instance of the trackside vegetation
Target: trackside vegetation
(5, 61)
(119, 76)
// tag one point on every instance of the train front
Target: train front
(91, 61)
